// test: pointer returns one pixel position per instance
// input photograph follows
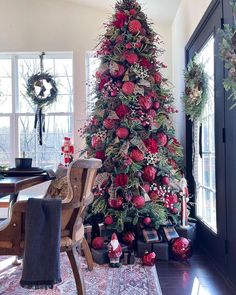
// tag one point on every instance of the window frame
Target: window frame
(15, 97)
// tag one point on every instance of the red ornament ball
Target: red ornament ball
(181, 248)
(156, 105)
(162, 139)
(128, 88)
(149, 258)
(135, 26)
(108, 220)
(132, 11)
(136, 155)
(115, 203)
(98, 243)
(96, 142)
(147, 221)
(165, 180)
(149, 173)
(109, 123)
(122, 110)
(138, 202)
(131, 57)
(157, 78)
(122, 132)
(128, 238)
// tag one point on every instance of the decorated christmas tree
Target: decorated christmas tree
(131, 129)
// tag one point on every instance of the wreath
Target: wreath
(228, 55)
(42, 90)
(38, 82)
(196, 89)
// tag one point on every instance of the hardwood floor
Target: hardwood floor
(196, 277)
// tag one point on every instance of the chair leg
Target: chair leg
(78, 278)
(87, 254)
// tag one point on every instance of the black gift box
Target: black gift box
(161, 250)
(142, 247)
(188, 232)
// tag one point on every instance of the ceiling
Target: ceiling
(162, 11)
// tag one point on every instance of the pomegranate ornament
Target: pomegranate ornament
(149, 258)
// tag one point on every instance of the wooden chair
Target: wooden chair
(81, 175)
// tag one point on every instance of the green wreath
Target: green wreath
(37, 80)
(196, 89)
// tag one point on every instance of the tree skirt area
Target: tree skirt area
(126, 280)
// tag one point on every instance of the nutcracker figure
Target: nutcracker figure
(67, 150)
(114, 251)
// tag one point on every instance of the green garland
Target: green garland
(196, 89)
(228, 55)
(39, 99)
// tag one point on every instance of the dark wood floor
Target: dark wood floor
(196, 277)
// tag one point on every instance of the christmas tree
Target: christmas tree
(131, 129)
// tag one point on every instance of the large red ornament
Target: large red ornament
(121, 180)
(151, 145)
(98, 243)
(122, 132)
(108, 220)
(115, 203)
(157, 78)
(128, 88)
(149, 173)
(181, 248)
(122, 110)
(136, 155)
(131, 57)
(162, 139)
(135, 26)
(145, 102)
(165, 180)
(138, 202)
(149, 258)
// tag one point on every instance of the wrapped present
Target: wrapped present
(128, 257)
(151, 236)
(142, 247)
(88, 233)
(169, 232)
(161, 250)
(100, 256)
(187, 232)
(101, 230)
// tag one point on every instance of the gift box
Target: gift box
(88, 233)
(161, 250)
(169, 232)
(128, 257)
(142, 247)
(188, 232)
(103, 231)
(151, 236)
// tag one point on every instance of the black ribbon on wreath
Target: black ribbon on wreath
(42, 89)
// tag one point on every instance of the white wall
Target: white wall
(186, 20)
(57, 25)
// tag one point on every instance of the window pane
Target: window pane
(206, 194)
(5, 86)
(5, 68)
(64, 103)
(63, 67)
(4, 141)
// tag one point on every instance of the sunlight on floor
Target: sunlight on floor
(198, 289)
(5, 263)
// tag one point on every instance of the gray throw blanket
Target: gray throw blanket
(41, 261)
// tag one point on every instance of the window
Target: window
(92, 64)
(17, 133)
(206, 193)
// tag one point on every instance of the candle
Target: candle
(184, 193)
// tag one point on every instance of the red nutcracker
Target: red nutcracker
(114, 251)
(67, 150)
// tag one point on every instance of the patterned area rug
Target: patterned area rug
(127, 280)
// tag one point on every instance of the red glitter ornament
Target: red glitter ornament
(138, 202)
(149, 173)
(122, 132)
(131, 57)
(108, 220)
(136, 155)
(147, 221)
(98, 243)
(115, 203)
(156, 105)
(128, 88)
(128, 238)
(149, 258)
(181, 248)
(122, 110)
(135, 26)
(165, 180)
